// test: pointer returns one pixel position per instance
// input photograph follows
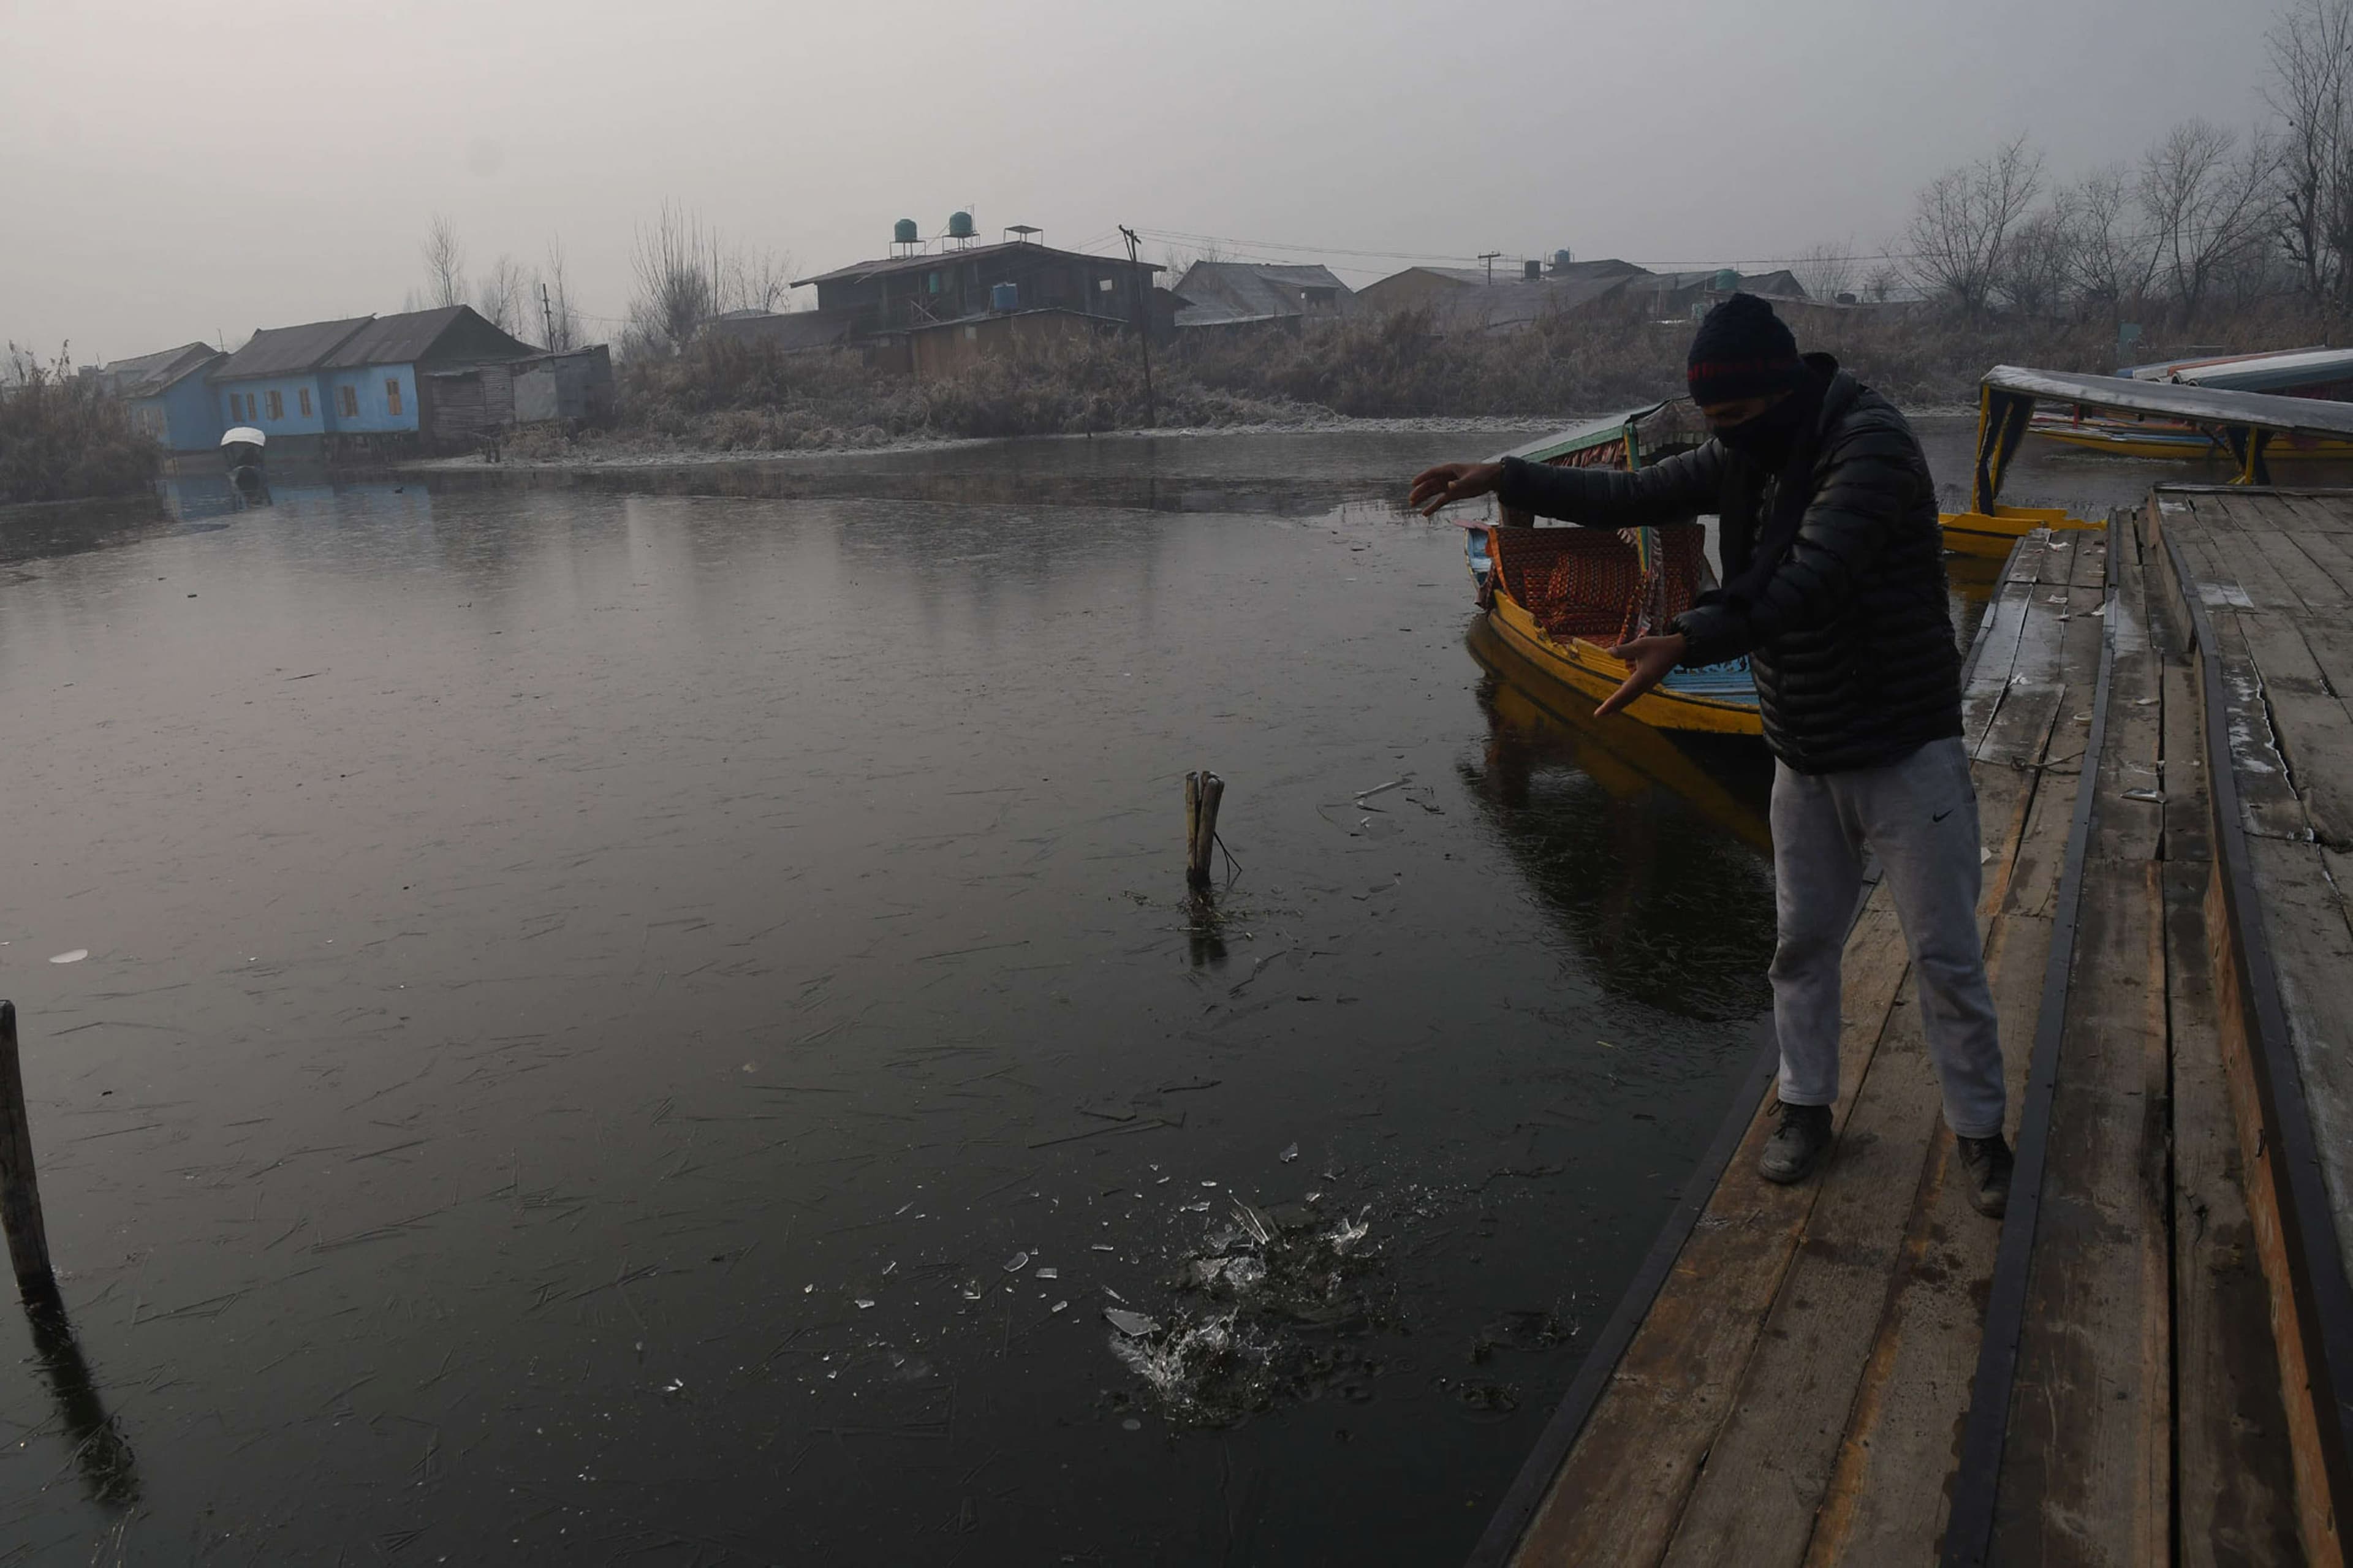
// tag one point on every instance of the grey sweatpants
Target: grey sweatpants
(1919, 815)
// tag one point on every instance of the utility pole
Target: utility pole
(1144, 335)
(1489, 257)
(547, 315)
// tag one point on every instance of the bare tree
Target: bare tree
(2114, 255)
(1963, 222)
(1828, 270)
(445, 263)
(2038, 265)
(500, 297)
(2312, 92)
(2202, 191)
(679, 277)
(1885, 279)
(756, 278)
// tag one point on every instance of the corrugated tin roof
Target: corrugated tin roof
(1223, 293)
(412, 335)
(976, 253)
(148, 374)
(285, 351)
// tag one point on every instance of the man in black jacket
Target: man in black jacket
(1834, 589)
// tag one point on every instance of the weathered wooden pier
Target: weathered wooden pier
(2151, 1359)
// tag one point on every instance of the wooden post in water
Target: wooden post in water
(1203, 792)
(20, 1196)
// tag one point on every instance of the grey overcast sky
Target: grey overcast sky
(180, 170)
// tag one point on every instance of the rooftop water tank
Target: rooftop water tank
(1561, 259)
(905, 232)
(960, 226)
(1004, 296)
(1728, 280)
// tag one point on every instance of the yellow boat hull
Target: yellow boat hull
(1586, 668)
(1980, 533)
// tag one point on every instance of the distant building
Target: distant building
(1515, 295)
(924, 289)
(167, 395)
(1508, 299)
(1678, 296)
(1250, 293)
(423, 380)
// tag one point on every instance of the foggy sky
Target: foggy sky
(173, 172)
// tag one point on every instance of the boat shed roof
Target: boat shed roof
(2258, 372)
(2202, 405)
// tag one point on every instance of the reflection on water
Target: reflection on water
(1652, 850)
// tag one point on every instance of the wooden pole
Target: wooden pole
(20, 1196)
(1204, 826)
(1144, 335)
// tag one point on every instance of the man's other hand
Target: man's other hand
(1450, 482)
(1650, 657)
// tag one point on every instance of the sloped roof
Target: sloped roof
(148, 374)
(450, 332)
(1009, 250)
(1220, 293)
(286, 350)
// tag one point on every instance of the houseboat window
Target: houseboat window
(351, 401)
(1103, 285)
(392, 393)
(277, 404)
(303, 398)
(935, 283)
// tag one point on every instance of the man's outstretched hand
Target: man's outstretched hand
(1450, 482)
(1651, 658)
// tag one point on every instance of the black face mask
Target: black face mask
(1767, 437)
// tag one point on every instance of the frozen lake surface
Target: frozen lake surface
(652, 1027)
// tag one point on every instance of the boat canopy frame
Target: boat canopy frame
(2243, 423)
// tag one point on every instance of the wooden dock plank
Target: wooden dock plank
(2232, 1462)
(2312, 949)
(1624, 1484)
(1890, 1490)
(2086, 1475)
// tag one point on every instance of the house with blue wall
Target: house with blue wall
(365, 385)
(168, 397)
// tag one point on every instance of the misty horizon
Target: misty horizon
(161, 205)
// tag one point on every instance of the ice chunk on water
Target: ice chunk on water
(1134, 1325)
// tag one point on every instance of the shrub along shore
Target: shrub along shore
(721, 397)
(60, 439)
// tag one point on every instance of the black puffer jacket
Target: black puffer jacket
(1850, 640)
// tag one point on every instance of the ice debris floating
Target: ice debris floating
(76, 956)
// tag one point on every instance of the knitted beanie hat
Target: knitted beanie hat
(1743, 350)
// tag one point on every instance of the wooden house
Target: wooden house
(922, 289)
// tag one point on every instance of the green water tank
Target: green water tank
(960, 226)
(1728, 280)
(905, 232)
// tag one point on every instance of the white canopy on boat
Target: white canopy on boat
(245, 434)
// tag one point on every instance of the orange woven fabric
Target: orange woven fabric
(1590, 582)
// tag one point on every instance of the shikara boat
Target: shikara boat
(2314, 373)
(1561, 597)
(2246, 427)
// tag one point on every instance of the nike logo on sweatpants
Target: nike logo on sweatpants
(1942, 815)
